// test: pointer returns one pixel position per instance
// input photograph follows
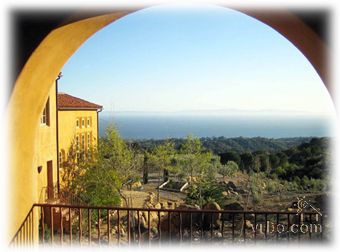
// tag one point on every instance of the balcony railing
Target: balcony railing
(87, 225)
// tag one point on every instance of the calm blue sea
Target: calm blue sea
(179, 126)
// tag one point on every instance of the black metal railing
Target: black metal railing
(25, 233)
(75, 224)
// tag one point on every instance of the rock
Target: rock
(249, 224)
(122, 232)
(233, 192)
(231, 186)
(241, 191)
(218, 234)
(235, 207)
(145, 218)
(158, 206)
(152, 198)
(175, 220)
(225, 194)
(294, 205)
(137, 185)
(212, 218)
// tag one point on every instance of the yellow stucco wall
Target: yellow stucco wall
(46, 149)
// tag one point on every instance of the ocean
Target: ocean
(146, 126)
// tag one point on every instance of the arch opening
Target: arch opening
(40, 71)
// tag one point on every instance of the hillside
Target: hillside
(239, 144)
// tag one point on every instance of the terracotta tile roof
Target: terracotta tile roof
(66, 101)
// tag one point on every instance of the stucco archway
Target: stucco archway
(40, 71)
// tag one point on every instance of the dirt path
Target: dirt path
(137, 198)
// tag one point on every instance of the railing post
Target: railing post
(79, 227)
(244, 227)
(70, 224)
(149, 226)
(266, 227)
(128, 227)
(98, 228)
(169, 226)
(288, 223)
(159, 227)
(322, 228)
(138, 224)
(108, 226)
(42, 225)
(191, 227)
(51, 230)
(61, 225)
(89, 224)
(255, 227)
(180, 227)
(211, 226)
(277, 224)
(233, 227)
(118, 227)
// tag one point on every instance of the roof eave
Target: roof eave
(80, 108)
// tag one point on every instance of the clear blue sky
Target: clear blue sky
(184, 58)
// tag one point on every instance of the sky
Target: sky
(207, 58)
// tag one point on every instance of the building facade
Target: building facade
(77, 127)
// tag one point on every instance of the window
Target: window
(60, 159)
(89, 122)
(88, 141)
(77, 142)
(77, 123)
(83, 141)
(82, 122)
(45, 117)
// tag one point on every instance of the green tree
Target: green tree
(97, 177)
(195, 161)
(247, 161)
(229, 169)
(117, 155)
(87, 180)
(163, 158)
(230, 156)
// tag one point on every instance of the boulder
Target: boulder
(249, 224)
(233, 192)
(234, 207)
(211, 220)
(231, 186)
(136, 185)
(175, 221)
(158, 206)
(152, 198)
(148, 204)
(225, 193)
